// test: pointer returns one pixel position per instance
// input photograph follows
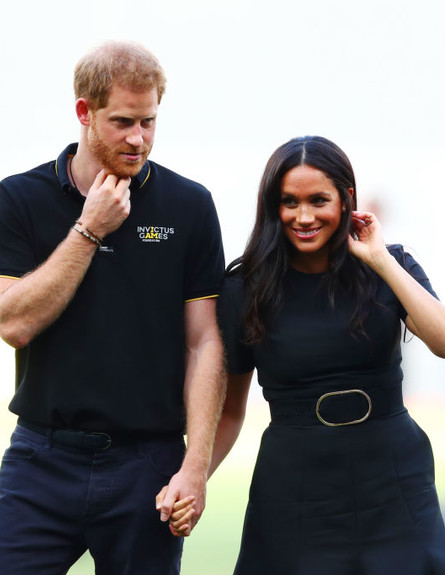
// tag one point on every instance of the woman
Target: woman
(344, 480)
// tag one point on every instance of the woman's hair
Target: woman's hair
(125, 64)
(266, 257)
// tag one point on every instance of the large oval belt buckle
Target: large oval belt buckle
(343, 392)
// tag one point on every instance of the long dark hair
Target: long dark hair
(266, 257)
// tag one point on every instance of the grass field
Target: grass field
(213, 547)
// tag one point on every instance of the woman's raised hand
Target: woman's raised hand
(367, 243)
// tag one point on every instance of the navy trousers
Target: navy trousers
(56, 502)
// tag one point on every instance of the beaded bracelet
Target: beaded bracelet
(99, 239)
(93, 239)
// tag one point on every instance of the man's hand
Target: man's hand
(30, 304)
(107, 204)
(182, 502)
(182, 513)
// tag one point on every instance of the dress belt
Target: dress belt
(339, 407)
(94, 440)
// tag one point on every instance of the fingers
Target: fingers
(185, 531)
(362, 223)
(183, 504)
(112, 184)
(166, 505)
(182, 511)
(163, 504)
(99, 180)
(122, 184)
(180, 515)
(181, 522)
(107, 203)
(178, 518)
(363, 218)
(161, 496)
(103, 176)
(359, 221)
(119, 191)
(367, 241)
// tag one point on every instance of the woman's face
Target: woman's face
(310, 213)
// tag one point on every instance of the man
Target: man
(109, 269)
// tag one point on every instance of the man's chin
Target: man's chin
(126, 170)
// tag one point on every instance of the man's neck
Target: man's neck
(82, 170)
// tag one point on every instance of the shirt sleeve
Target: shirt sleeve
(406, 260)
(16, 254)
(205, 263)
(240, 357)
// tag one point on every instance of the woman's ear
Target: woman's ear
(352, 194)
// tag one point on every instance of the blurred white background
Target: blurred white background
(244, 76)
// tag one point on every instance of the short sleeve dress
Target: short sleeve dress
(343, 483)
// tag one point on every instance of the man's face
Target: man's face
(121, 135)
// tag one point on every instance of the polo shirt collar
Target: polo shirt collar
(137, 181)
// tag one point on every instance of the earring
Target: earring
(343, 209)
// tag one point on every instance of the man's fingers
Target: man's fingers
(166, 504)
(99, 179)
(123, 183)
(161, 496)
(110, 181)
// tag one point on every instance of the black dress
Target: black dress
(355, 499)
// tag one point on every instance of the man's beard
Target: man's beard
(112, 159)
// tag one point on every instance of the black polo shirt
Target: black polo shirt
(114, 360)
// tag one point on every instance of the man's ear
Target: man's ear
(83, 111)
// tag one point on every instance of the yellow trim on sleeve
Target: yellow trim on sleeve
(9, 277)
(204, 297)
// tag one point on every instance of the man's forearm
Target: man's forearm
(204, 392)
(204, 395)
(30, 304)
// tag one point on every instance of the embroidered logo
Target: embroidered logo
(154, 233)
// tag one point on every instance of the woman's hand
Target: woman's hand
(182, 513)
(425, 315)
(368, 243)
(181, 517)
